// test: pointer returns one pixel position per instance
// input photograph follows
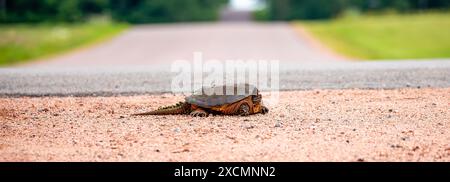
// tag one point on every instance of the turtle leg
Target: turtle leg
(244, 110)
(264, 110)
(199, 113)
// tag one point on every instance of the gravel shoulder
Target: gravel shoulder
(316, 125)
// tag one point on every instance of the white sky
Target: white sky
(244, 4)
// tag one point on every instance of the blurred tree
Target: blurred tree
(69, 10)
(279, 10)
(322, 9)
(94, 6)
(143, 11)
(50, 10)
(135, 11)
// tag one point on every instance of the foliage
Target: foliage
(143, 11)
(394, 36)
(136, 11)
(324, 9)
(21, 42)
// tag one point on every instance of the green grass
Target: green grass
(24, 42)
(412, 36)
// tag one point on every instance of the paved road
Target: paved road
(163, 44)
(230, 15)
(147, 79)
(139, 62)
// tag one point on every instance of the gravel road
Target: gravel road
(317, 125)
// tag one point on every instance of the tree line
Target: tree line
(324, 9)
(147, 11)
(133, 11)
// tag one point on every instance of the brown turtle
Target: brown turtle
(244, 100)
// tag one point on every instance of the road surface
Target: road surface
(163, 44)
(132, 80)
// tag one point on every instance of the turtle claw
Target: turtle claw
(199, 114)
(264, 110)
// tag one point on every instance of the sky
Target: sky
(244, 4)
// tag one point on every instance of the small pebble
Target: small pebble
(396, 146)
(43, 110)
(277, 125)
(249, 127)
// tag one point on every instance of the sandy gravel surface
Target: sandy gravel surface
(317, 125)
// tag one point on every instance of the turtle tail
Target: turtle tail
(179, 108)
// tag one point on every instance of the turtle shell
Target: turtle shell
(209, 97)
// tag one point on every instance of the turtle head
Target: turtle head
(258, 104)
(257, 99)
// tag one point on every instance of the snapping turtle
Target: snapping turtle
(244, 100)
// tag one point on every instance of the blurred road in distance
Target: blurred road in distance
(166, 43)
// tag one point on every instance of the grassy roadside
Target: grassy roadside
(23, 42)
(412, 36)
